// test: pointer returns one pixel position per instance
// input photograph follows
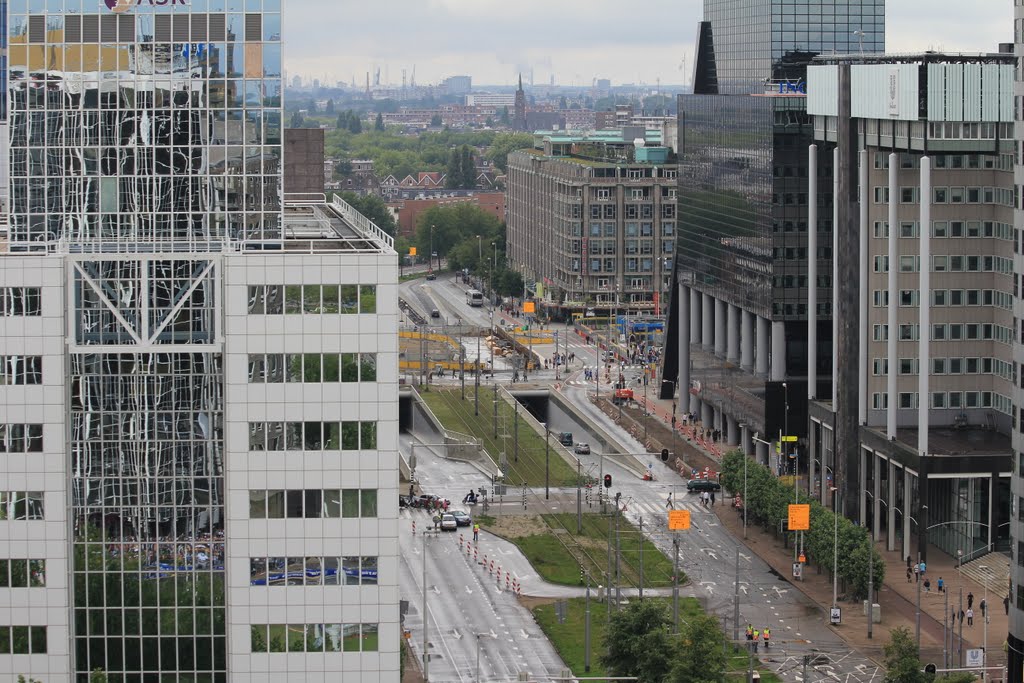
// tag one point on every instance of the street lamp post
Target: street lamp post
(478, 637)
(835, 547)
(984, 617)
(430, 256)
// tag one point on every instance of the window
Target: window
(940, 195)
(21, 505)
(908, 229)
(21, 370)
(938, 366)
(939, 332)
(603, 193)
(22, 640)
(908, 264)
(940, 263)
(329, 638)
(881, 229)
(312, 299)
(312, 503)
(940, 229)
(907, 399)
(20, 301)
(21, 438)
(312, 436)
(908, 366)
(939, 297)
(19, 573)
(939, 399)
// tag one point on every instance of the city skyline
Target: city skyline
(461, 34)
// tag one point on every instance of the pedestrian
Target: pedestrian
(917, 572)
(970, 617)
(446, 504)
(908, 561)
(712, 499)
(984, 607)
(1006, 605)
(476, 533)
(750, 632)
(668, 502)
(412, 490)
(941, 585)
(927, 585)
(757, 638)
(923, 567)
(909, 573)
(970, 599)
(767, 637)
(961, 616)
(437, 522)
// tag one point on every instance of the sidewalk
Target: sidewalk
(896, 597)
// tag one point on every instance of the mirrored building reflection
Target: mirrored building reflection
(145, 203)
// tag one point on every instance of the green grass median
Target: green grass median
(557, 552)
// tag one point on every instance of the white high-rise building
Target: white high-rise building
(198, 374)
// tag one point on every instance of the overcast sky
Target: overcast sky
(574, 40)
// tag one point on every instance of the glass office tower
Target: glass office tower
(144, 138)
(742, 258)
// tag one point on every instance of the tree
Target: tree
(468, 168)
(504, 118)
(901, 661)
(311, 107)
(354, 124)
(455, 229)
(638, 642)
(297, 120)
(435, 121)
(329, 109)
(378, 123)
(505, 143)
(701, 657)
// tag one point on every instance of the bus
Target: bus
(474, 297)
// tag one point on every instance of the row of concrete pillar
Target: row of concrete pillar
(737, 336)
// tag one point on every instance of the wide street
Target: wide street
(464, 600)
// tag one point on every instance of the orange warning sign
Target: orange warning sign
(799, 517)
(678, 520)
(529, 307)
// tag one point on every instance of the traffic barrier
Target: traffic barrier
(492, 568)
(414, 527)
(474, 554)
(508, 583)
(499, 576)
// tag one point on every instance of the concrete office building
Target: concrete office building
(925, 320)
(199, 377)
(591, 218)
(1015, 640)
(741, 298)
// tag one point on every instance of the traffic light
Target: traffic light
(664, 455)
(607, 481)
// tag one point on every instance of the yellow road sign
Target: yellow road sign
(678, 520)
(790, 439)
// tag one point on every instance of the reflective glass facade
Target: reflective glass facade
(144, 138)
(145, 123)
(743, 155)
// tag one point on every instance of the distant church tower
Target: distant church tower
(519, 120)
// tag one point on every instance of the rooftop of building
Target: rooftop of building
(953, 440)
(926, 57)
(313, 224)
(633, 145)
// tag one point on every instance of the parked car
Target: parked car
(434, 313)
(405, 501)
(582, 448)
(703, 485)
(565, 438)
(427, 501)
(448, 522)
(462, 518)
(431, 275)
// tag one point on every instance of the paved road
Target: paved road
(464, 599)
(707, 555)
